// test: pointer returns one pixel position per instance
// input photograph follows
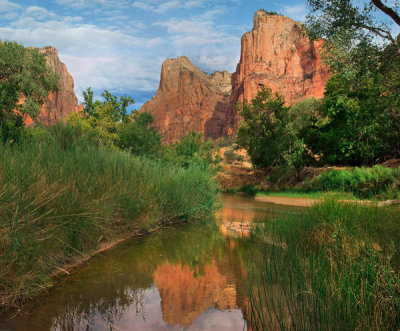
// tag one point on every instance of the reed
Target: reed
(59, 202)
(336, 267)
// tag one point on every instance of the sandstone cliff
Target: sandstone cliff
(188, 100)
(61, 104)
(277, 54)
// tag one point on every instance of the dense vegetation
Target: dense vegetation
(61, 196)
(336, 267)
(23, 72)
(101, 176)
(358, 120)
(364, 183)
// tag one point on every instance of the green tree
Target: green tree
(267, 135)
(356, 126)
(138, 136)
(23, 74)
(104, 116)
(362, 103)
(329, 17)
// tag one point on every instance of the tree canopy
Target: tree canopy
(23, 74)
(328, 17)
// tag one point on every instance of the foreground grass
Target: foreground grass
(57, 204)
(337, 267)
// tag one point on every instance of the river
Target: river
(189, 277)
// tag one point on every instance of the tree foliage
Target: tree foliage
(266, 133)
(328, 17)
(138, 136)
(107, 121)
(191, 149)
(104, 116)
(362, 103)
(24, 75)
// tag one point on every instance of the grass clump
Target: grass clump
(336, 267)
(58, 201)
(362, 182)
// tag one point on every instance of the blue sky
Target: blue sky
(120, 45)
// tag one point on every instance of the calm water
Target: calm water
(191, 277)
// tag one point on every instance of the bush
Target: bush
(363, 182)
(231, 156)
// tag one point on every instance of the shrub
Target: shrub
(363, 182)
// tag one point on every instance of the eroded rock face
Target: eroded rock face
(189, 99)
(61, 104)
(277, 54)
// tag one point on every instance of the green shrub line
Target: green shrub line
(335, 267)
(363, 182)
(58, 202)
(373, 183)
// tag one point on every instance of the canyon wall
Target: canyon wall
(62, 103)
(276, 54)
(279, 55)
(189, 99)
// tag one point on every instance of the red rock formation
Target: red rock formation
(277, 54)
(185, 296)
(188, 100)
(61, 104)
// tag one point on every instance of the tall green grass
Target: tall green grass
(337, 267)
(362, 182)
(59, 201)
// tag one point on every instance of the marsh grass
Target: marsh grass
(338, 270)
(58, 202)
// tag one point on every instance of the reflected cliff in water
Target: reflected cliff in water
(191, 277)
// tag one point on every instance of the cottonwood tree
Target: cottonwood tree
(362, 103)
(23, 73)
(328, 17)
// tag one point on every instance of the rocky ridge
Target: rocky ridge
(62, 103)
(277, 54)
(189, 99)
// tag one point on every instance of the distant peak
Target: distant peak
(261, 16)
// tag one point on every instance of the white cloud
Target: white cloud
(297, 12)
(164, 6)
(7, 6)
(9, 10)
(119, 54)
(38, 13)
(92, 3)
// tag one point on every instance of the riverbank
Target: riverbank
(378, 183)
(338, 267)
(61, 205)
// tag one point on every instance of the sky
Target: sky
(119, 45)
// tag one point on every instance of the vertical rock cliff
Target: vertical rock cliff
(61, 104)
(277, 54)
(188, 100)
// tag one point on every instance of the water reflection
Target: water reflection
(192, 277)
